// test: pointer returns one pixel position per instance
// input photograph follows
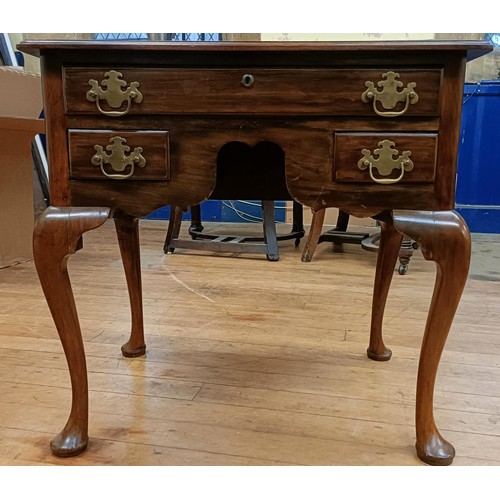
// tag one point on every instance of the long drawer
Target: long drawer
(367, 92)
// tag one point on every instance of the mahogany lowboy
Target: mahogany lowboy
(370, 128)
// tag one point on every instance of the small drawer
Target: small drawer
(384, 158)
(287, 91)
(119, 154)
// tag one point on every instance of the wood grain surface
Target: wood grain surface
(287, 91)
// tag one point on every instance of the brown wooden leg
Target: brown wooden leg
(57, 234)
(390, 242)
(445, 239)
(314, 234)
(127, 230)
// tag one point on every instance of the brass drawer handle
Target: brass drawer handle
(385, 162)
(247, 80)
(389, 96)
(113, 93)
(117, 158)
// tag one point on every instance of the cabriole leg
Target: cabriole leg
(127, 230)
(56, 236)
(390, 242)
(445, 239)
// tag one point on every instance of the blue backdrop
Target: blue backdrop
(478, 181)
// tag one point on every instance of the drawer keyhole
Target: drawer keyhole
(247, 80)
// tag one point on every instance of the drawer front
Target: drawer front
(119, 154)
(388, 158)
(377, 92)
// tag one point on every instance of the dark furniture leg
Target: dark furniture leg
(196, 225)
(342, 222)
(127, 230)
(445, 239)
(173, 230)
(297, 222)
(269, 227)
(390, 242)
(57, 235)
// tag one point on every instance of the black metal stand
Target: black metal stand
(267, 244)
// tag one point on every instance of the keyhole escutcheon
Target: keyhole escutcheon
(247, 80)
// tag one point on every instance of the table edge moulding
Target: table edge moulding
(371, 128)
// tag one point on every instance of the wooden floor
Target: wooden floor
(249, 362)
